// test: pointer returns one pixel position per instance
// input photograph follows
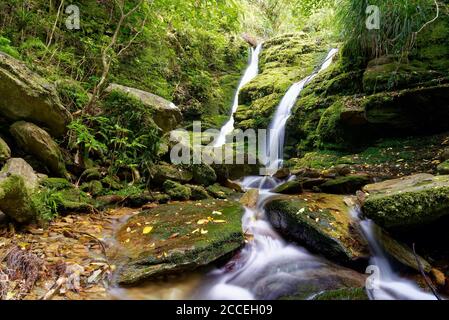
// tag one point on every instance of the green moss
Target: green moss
(177, 191)
(16, 199)
(5, 151)
(186, 251)
(321, 222)
(56, 183)
(94, 187)
(443, 168)
(219, 192)
(198, 192)
(203, 174)
(343, 294)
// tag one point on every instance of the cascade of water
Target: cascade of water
(273, 154)
(251, 72)
(389, 285)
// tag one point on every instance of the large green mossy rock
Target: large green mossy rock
(167, 116)
(177, 191)
(17, 184)
(443, 168)
(164, 171)
(26, 96)
(178, 237)
(321, 222)
(203, 174)
(407, 202)
(39, 143)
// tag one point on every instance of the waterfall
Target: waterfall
(251, 72)
(273, 154)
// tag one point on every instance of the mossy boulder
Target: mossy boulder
(177, 191)
(345, 185)
(26, 96)
(408, 202)
(164, 171)
(39, 143)
(167, 116)
(198, 192)
(219, 192)
(203, 174)
(17, 184)
(321, 222)
(5, 151)
(179, 237)
(443, 168)
(290, 187)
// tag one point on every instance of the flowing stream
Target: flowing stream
(251, 72)
(268, 267)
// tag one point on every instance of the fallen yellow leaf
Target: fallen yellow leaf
(204, 231)
(202, 221)
(219, 221)
(147, 230)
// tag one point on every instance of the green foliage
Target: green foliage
(400, 22)
(72, 95)
(5, 46)
(46, 203)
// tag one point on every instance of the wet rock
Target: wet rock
(408, 202)
(17, 184)
(176, 238)
(321, 222)
(345, 185)
(232, 185)
(250, 198)
(400, 252)
(5, 151)
(26, 96)
(312, 183)
(444, 155)
(177, 191)
(167, 116)
(307, 173)
(290, 187)
(438, 278)
(343, 169)
(282, 173)
(38, 143)
(443, 168)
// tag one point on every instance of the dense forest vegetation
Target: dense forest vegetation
(88, 109)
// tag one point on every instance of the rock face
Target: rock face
(166, 115)
(26, 96)
(408, 202)
(17, 183)
(178, 237)
(322, 222)
(5, 151)
(38, 143)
